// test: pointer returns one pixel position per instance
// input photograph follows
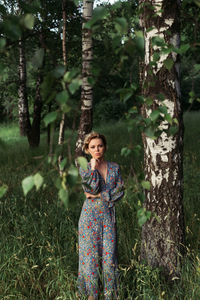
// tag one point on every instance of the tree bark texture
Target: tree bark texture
(62, 122)
(85, 125)
(61, 137)
(163, 236)
(24, 122)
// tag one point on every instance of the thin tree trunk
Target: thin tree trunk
(85, 125)
(24, 122)
(61, 138)
(34, 131)
(163, 236)
(49, 126)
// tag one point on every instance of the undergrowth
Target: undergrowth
(39, 250)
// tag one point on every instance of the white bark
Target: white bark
(86, 91)
(161, 241)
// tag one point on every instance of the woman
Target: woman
(103, 185)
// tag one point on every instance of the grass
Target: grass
(39, 251)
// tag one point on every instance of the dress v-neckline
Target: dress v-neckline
(106, 173)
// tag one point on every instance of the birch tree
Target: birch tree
(62, 122)
(163, 233)
(24, 122)
(85, 125)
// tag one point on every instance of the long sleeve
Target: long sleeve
(90, 180)
(117, 192)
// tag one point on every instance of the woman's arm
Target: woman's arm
(117, 192)
(90, 180)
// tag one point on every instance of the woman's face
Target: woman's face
(96, 148)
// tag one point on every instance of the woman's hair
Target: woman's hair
(93, 135)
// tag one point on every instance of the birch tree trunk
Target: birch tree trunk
(85, 125)
(24, 122)
(163, 237)
(63, 120)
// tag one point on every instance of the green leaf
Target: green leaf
(29, 21)
(75, 85)
(73, 171)
(125, 151)
(137, 150)
(2, 43)
(142, 220)
(155, 115)
(70, 74)
(27, 184)
(72, 175)
(161, 97)
(12, 28)
(62, 164)
(64, 196)
(168, 63)
(91, 81)
(66, 108)
(50, 118)
(99, 13)
(125, 94)
(121, 25)
(158, 41)
(148, 101)
(3, 190)
(163, 109)
(168, 118)
(38, 58)
(38, 181)
(146, 185)
(139, 41)
(59, 71)
(150, 132)
(82, 161)
(183, 49)
(133, 110)
(175, 121)
(58, 183)
(197, 68)
(143, 215)
(156, 56)
(173, 130)
(2, 68)
(62, 97)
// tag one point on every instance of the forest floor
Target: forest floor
(39, 250)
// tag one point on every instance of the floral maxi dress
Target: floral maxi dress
(97, 232)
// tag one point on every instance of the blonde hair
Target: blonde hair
(93, 135)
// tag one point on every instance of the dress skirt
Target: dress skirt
(97, 249)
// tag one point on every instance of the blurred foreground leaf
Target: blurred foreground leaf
(3, 190)
(27, 184)
(38, 180)
(64, 196)
(82, 161)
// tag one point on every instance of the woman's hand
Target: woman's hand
(94, 163)
(88, 195)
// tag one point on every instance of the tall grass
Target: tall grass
(39, 251)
